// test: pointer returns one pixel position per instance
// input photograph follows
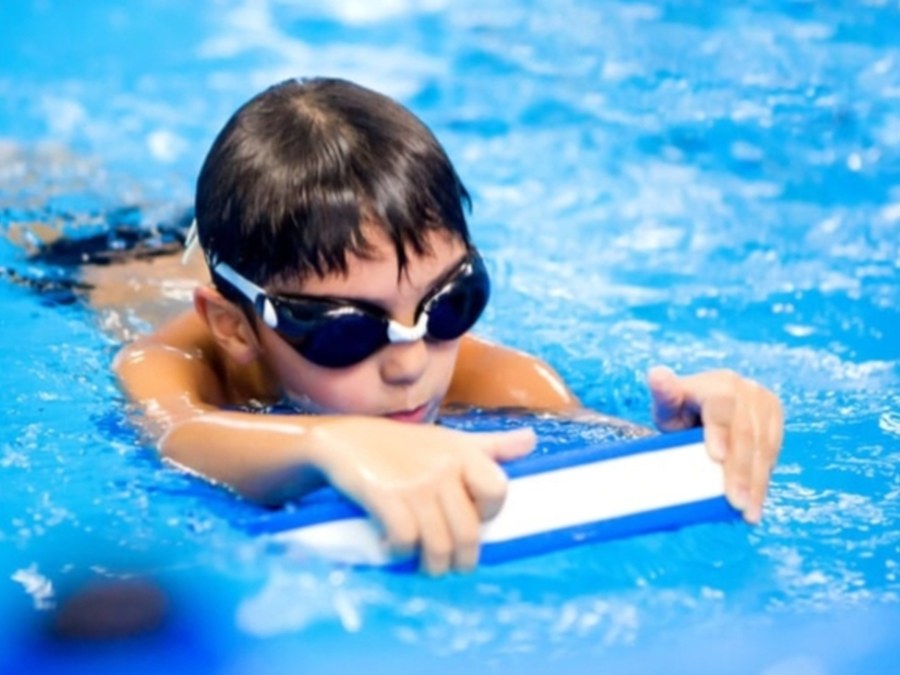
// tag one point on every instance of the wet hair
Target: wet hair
(301, 170)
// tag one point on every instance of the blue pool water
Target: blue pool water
(694, 183)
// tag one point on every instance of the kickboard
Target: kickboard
(571, 497)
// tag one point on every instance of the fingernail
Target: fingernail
(716, 450)
(739, 498)
(753, 515)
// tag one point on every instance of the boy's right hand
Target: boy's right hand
(430, 487)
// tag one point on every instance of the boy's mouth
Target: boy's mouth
(413, 416)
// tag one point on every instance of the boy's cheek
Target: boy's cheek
(342, 391)
(443, 358)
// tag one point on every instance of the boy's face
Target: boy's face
(404, 381)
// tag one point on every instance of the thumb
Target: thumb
(502, 446)
(670, 410)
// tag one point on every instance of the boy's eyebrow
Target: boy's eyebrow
(438, 280)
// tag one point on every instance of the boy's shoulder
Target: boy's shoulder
(489, 375)
(180, 360)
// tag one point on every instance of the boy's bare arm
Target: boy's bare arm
(174, 376)
(429, 487)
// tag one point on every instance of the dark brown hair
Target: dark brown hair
(300, 169)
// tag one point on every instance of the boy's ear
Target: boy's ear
(227, 324)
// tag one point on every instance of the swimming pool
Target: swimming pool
(687, 182)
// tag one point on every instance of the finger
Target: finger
(486, 484)
(740, 458)
(401, 529)
(718, 413)
(775, 435)
(765, 460)
(503, 446)
(436, 540)
(462, 520)
(759, 486)
(668, 398)
(716, 437)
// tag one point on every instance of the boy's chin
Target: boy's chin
(424, 414)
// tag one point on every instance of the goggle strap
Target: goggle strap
(191, 243)
(249, 290)
(269, 315)
(398, 333)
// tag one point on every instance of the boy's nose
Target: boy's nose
(404, 362)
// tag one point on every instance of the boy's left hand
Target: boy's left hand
(743, 426)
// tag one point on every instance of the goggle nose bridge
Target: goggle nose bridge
(399, 334)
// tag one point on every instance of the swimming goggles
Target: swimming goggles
(336, 333)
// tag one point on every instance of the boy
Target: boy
(343, 285)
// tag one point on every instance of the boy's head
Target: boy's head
(333, 224)
(301, 173)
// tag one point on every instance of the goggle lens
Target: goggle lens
(342, 341)
(456, 309)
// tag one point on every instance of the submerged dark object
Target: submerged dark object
(111, 610)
